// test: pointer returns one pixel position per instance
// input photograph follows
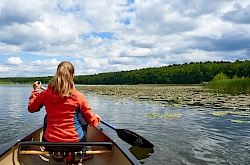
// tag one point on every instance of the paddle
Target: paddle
(130, 137)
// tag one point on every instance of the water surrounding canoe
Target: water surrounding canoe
(197, 137)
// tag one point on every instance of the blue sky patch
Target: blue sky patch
(127, 21)
(103, 35)
(72, 9)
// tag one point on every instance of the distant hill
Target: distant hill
(188, 73)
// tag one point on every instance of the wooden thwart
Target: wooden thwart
(34, 152)
(65, 144)
(108, 148)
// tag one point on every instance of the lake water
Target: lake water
(196, 138)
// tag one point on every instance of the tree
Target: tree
(220, 76)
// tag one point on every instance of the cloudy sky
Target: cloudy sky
(116, 35)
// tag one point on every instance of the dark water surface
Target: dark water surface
(196, 138)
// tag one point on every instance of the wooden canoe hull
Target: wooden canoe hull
(120, 156)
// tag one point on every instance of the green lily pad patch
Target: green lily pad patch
(165, 115)
(240, 121)
(153, 115)
(224, 113)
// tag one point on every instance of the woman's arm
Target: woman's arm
(92, 119)
(35, 100)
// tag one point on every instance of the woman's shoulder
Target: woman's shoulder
(79, 95)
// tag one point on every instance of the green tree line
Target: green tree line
(188, 73)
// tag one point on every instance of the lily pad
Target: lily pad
(241, 121)
(219, 113)
(171, 115)
(224, 113)
(245, 115)
(153, 115)
(166, 115)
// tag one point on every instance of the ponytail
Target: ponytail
(63, 82)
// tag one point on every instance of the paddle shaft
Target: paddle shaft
(107, 124)
(43, 88)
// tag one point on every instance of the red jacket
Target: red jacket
(63, 124)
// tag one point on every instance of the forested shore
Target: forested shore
(192, 73)
(171, 85)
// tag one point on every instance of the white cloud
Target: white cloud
(238, 14)
(123, 61)
(145, 33)
(6, 49)
(14, 61)
(4, 69)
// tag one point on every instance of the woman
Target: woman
(63, 104)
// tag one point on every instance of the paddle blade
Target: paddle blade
(133, 139)
(141, 153)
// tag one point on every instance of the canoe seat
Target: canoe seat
(64, 148)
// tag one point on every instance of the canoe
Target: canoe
(29, 150)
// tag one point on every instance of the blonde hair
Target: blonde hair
(63, 82)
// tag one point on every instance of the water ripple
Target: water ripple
(197, 137)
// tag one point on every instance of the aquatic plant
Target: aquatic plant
(153, 115)
(231, 86)
(240, 121)
(165, 115)
(171, 115)
(224, 113)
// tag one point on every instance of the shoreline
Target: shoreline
(173, 95)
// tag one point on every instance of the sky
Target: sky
(101, 36)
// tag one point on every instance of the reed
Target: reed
(231, 86)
